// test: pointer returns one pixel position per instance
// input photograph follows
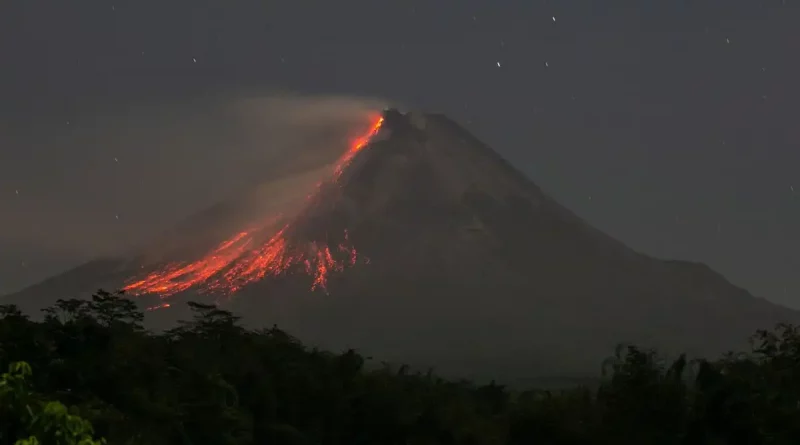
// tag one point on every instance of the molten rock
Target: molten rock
(425, 246)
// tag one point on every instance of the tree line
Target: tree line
(90, 373)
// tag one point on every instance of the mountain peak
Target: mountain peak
(424, 245)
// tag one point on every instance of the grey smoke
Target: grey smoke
(115, 177)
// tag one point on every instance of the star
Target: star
(116, 160)
(17, 192)
(546, 64)
(194, 60)
(727, 40)
(554, 19)
(498, 64)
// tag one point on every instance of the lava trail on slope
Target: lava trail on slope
(259, 252)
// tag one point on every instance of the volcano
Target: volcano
(423, 245)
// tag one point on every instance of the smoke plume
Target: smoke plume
(97, 182)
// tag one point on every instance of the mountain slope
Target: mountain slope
(471, 261)
(460, 261)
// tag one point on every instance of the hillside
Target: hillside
(425, 246)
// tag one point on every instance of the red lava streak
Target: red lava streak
(246, 258)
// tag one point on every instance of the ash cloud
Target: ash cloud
(95, 183)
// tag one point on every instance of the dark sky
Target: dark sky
(672, 125)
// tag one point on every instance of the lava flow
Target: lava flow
(252, 255)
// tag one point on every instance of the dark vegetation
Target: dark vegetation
(210, 381)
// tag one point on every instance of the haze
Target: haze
(125, 175)
(671, 126)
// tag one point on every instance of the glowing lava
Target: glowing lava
(252, 255)
(357, 146)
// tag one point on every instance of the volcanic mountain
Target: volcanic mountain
(425, 246)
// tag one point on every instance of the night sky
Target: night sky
(671, 125)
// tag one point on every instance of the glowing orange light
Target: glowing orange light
(241, 260)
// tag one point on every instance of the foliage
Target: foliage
(31, 421)
(210, 381)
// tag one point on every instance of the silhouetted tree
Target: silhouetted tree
(211, 381)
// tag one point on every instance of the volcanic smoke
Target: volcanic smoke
(253, 254)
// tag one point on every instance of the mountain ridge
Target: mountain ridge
(463, 261)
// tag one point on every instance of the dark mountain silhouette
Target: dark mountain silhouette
(466, 265)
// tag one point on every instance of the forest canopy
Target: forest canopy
(89, 371)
